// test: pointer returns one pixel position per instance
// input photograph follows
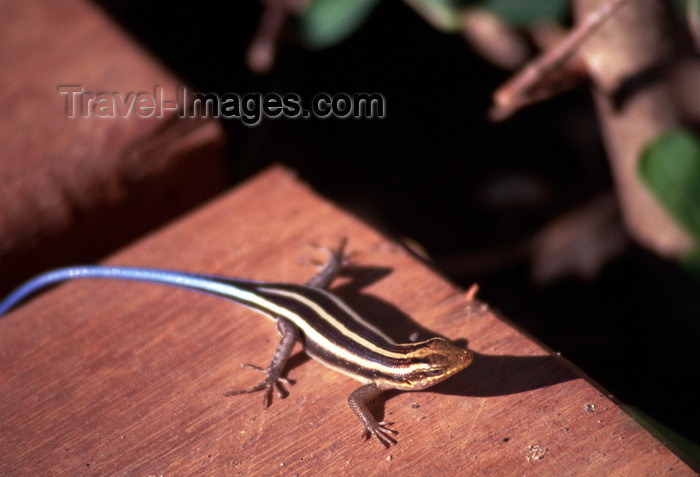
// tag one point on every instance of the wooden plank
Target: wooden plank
(124, 378)
(75, 188)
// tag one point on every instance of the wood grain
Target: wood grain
(105, 377)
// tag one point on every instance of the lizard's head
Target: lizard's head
(434, 360)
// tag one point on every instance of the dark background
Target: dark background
(426, 170)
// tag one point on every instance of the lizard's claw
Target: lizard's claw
(271, 381)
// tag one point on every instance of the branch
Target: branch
(635, 105)
(549, 73)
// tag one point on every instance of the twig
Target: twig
(527, 86)
(261, 52)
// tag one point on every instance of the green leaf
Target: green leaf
(670, 167)
(443, 15)
(327, 22)
(528, 12)
(664, 433)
